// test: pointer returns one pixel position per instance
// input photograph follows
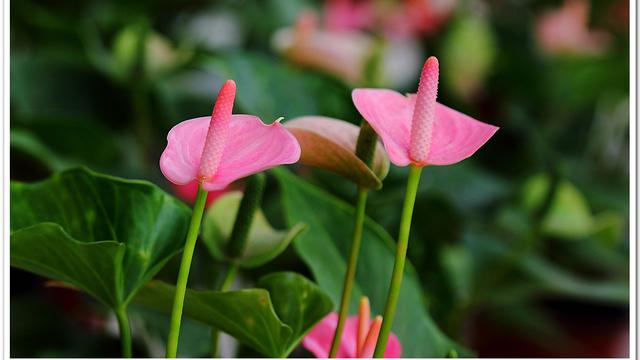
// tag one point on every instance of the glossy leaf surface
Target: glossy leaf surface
(105, 235)
(263, 243)
(272, 319)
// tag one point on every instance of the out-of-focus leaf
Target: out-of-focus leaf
(272, 320)
(59, 84)
(104, 235)
(568, 217)
(61, 143)
(468, 54)
(291, 92)
(542, 277)
(608, 227)
(263, 242)
(558, 281)
(330, 144)
(160, 55)
(324, 248)
(458, 266)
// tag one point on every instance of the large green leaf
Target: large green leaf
(272, 320)
(324, 248)
(104, 235)
(263, 242)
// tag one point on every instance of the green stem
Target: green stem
(125, 331)
(351, 270)
(224, 286)
(228, 277)
(401, 256)
(244, 218)
(183, 274)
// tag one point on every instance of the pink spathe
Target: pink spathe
(415, 129)
(220, 149)
(318, 340)
(359, 337)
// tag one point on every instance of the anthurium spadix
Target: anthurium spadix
(416, 131)
(215, 151)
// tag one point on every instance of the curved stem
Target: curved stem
(351, 270)
(401, 255)
(226, 284)
(125, 331)
(232, 270)
(183, 274)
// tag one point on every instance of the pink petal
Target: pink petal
(456, 136)
(180, 160)
(253, 147)
(318, 340)
(389, 113)
(217, 131)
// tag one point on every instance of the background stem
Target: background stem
(351, 270)
(224, 286)
(401, 255)
(125, 331)
(183, 274)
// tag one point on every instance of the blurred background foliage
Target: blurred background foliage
(523, 243)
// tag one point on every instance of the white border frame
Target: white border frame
(633, 271)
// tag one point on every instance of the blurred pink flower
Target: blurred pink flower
(417, 130)
(566, 31)
(217, 150)
(413, 18)
(348, 14)
(359, 337)
(398, 19)
(339, 52)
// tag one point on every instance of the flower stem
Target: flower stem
(401, 255)
(351, 270)
(125, 331)
(232, 270)
(183, 274)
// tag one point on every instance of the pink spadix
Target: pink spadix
(415, 129)
(217, 150)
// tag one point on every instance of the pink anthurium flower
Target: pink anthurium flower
(358, 339)
(415, 129)
(220, 149)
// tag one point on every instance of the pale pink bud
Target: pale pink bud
(217, 134)
(424, 113)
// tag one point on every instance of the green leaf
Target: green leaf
(330, 144)
(569, 216)
(264, 243)
(271, 320)
(105, 235)
(325, 246)
(60, 143)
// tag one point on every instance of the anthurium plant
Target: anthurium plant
(267, 180)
